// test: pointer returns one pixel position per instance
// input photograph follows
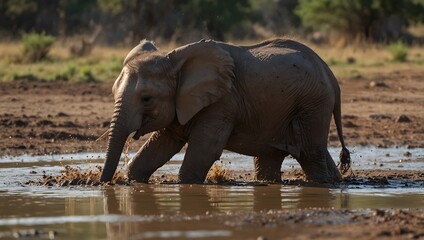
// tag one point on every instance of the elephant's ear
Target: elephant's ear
(143, 46)
(205, 74)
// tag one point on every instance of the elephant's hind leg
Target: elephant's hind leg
(333, 172)
(268, 168)
(311, 133)
(318, 165)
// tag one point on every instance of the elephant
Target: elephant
(268, 100)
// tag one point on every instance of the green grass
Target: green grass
(399, 51)
(369, 60)
(72, 70)
(105, 63)
(36, 47)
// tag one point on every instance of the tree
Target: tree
(160, 19)
(277, 16)
(376, 20)
(216, 17)
(52, 17)
(28, 15)
(148, 18)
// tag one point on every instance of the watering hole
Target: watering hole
(172, 211)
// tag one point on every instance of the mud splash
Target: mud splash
(85, 168)
(75, 176)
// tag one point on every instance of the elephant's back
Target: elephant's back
(280, 77)
(280, 69)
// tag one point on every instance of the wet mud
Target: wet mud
(73, 176)
(43, 198)
(247, 210)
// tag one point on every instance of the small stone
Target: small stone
(378, 84)
(407, 154)
(52, 234)
(351, 60)
(378, 212)
(20, 123)
(379, 116)
(62, 114)
(350, 124)
(349, 117)
(403, 119)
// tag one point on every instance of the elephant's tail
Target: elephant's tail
(344, 164)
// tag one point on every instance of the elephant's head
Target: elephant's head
(154, 88)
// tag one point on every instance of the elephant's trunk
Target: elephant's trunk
(117, 137)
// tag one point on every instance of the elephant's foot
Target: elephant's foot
(194, 172)
(137, 173)
(193, 176)
(138, 176)
(322, 178)
(190, 180)
(268, 168)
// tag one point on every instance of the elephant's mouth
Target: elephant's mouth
(145, 127)
(138, 134)
(141, 130)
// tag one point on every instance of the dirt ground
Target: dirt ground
(387, 110)
(45, 118)
(345, 224)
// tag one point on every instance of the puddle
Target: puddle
(170, 211)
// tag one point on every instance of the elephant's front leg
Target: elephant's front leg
(268, 168)
(158, 149)
(205, 145)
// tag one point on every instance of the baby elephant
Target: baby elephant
(267, 100)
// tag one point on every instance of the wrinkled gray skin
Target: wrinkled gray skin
(267, 100)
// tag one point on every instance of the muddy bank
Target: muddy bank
(302, 224)
(74, 176)
(368, 204)
(272, 224)
(238, 209)
(345, 224)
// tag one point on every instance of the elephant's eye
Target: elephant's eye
(146, 99)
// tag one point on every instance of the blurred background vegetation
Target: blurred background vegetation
(83, 40)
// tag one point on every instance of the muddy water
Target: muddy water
(171, 211)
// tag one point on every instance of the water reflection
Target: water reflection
(200, 199)
(120, 212)
(161, 211)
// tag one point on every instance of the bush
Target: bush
(361, 19)
(399, 51)
(67, 74)
(85, 75)
(36, 46)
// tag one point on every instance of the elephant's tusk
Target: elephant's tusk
(103, 136)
